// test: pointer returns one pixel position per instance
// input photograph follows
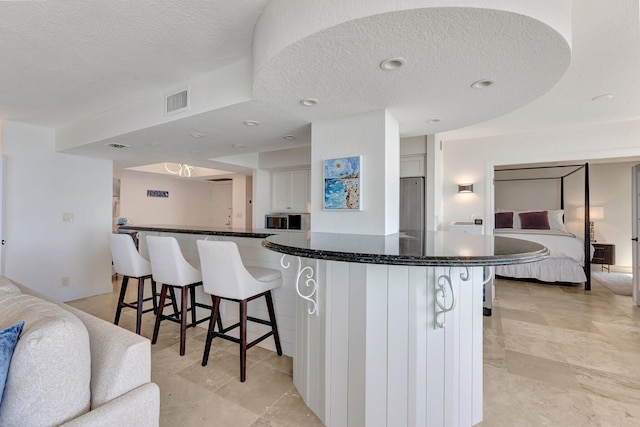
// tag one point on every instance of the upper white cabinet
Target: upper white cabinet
(290, 191)
(411, 166)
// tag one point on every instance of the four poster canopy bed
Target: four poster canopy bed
(536, 188)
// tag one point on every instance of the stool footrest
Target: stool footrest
(263, 322)
(237, 340)
(174, 318)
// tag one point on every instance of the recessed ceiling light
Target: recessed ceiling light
(481, 84)
(434, 120)
(153, 143)
(114, 145)
(602, 97)
(309, 102)
(196, 135)
(289, 137)
(238, 145)
(251, 123)
(392, 64)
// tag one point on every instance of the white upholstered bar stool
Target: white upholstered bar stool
(225, 277)
(169, 267)
(128, 262)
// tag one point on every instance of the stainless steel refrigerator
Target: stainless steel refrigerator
(412, 206)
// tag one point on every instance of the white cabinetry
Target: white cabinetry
(290, 191)
(411, 166)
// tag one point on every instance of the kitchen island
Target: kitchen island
(383, 330)
(390, 332)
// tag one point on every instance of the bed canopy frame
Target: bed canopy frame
(556, 172)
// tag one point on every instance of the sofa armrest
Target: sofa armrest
(120, 359)
(139, 407)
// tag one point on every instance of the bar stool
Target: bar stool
(225, 277)
(169, 267)
(128, 262)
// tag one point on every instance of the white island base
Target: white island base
(373, 354)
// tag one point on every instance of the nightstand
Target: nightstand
(604, 254)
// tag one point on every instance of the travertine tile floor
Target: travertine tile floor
(553, 356)
(561, 356)
(193, 395)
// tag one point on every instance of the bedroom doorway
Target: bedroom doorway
(635, 228)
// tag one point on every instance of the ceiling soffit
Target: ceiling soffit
(333, 54)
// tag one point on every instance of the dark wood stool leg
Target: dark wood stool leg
(139, 304)
(174, 304)
(156, 328)
(154, 293)
(183, 318)
(274, 325)
(123, 290)
(215, 315)
(193, 304)
(243, 340)
(220, 328)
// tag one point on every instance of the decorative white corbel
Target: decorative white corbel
(309, 282)
(442, 287)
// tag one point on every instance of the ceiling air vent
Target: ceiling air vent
(114, 145)
(177, 102)
(219, 179)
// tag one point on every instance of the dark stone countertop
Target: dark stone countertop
(441, 248)
(256, 233)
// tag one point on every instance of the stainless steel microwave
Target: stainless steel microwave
(287, 221)
(280, 222)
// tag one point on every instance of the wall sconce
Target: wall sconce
(465, 188)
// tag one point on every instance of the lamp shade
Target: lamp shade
(595, 212)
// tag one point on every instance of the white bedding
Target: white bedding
(560, 244)
(565, 262)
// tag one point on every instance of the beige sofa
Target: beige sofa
(72, 369)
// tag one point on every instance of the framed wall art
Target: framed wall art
(342, 184)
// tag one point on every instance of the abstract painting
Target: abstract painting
(342, 184)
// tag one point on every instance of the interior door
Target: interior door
(635, 228)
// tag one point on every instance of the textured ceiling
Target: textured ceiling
(65, 61)
(453, 48)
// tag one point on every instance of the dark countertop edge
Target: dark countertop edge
(195, 230)
(407, 259)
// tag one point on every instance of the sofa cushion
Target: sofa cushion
(49, 379)
(8, 340)
(7, 287)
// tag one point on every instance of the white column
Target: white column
(375, 137)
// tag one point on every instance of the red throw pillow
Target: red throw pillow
(504, 220)
(535, 220)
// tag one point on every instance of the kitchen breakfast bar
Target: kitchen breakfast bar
(383, 330)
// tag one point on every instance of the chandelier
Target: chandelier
(183, 169)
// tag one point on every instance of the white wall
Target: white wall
(611, 188)
(516, 195)
(189, 203)
(39, 186)
(473, 160)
